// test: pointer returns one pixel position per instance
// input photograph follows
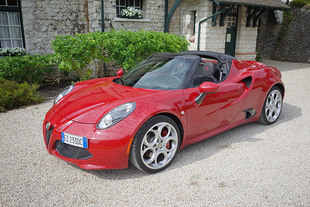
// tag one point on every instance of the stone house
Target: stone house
(228, 26)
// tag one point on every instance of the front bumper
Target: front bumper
(107, 149)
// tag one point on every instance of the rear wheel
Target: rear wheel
(155, 144)
(272, 107)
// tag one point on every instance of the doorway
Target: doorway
(231, 32)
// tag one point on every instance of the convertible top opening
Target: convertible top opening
(173, 71)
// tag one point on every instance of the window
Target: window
(11, 34)
(231, 21)
(123, 4)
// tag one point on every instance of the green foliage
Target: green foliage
(14, 95)
(259, 57)
(29, 68)
(12, 51)
(288, 19)
(300, 3)
(124, 48)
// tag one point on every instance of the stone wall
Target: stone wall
(153, 17)
(267, 35)
(246, 37)
(212, 38)
(94, 15)
(45, 19)
(289, 41)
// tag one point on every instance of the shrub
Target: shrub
(14, 95)
(12, 51)
(29, 68)
(259, 57)
(125, 48)
(300, 3)
(128, 48)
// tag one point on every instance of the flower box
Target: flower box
(132, 13)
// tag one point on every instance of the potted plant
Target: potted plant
(132, 13)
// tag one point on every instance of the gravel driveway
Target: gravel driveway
(250, 165)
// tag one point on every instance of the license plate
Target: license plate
(74, 140)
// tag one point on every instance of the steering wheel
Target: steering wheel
(174, 81)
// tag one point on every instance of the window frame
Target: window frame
(120, 7)
(15, 9)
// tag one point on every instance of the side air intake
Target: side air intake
(249, 113)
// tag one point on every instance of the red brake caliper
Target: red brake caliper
(164, 133)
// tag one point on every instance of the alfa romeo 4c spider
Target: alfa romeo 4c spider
(163, 104)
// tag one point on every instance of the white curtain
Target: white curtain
(10, 30)
(4, 18)
(4, 32)
(6, 43)
(15, 32)
(17, 43)
(14, 18)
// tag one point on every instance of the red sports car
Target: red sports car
(163, 104)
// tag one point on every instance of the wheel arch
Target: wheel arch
(281, 87)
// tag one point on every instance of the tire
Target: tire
(272, 107)
(155, 145)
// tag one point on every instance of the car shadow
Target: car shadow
(206, 148)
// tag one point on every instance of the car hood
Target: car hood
(90, 100)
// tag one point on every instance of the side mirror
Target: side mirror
(206, 88)
(120, 72)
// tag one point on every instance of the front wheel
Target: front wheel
(155, 144)
(272, 107)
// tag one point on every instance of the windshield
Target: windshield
(159, 73)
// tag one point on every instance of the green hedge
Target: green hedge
(125, 48)
(75, 53)
(27, 68)
(13, 94)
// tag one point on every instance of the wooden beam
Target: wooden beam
(251, 15)
(256, 18)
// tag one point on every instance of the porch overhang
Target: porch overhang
(255, 8)
(260, 5)
(268, 4)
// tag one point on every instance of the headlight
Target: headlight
(62, 94)
(116, 115)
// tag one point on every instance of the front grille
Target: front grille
(48, 135)
(72, 151)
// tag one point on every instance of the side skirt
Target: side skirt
(217, 131)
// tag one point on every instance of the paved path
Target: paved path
(251, 165)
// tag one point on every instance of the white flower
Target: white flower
(12, 51)
(132, 12)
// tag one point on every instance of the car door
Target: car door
(216, 110)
